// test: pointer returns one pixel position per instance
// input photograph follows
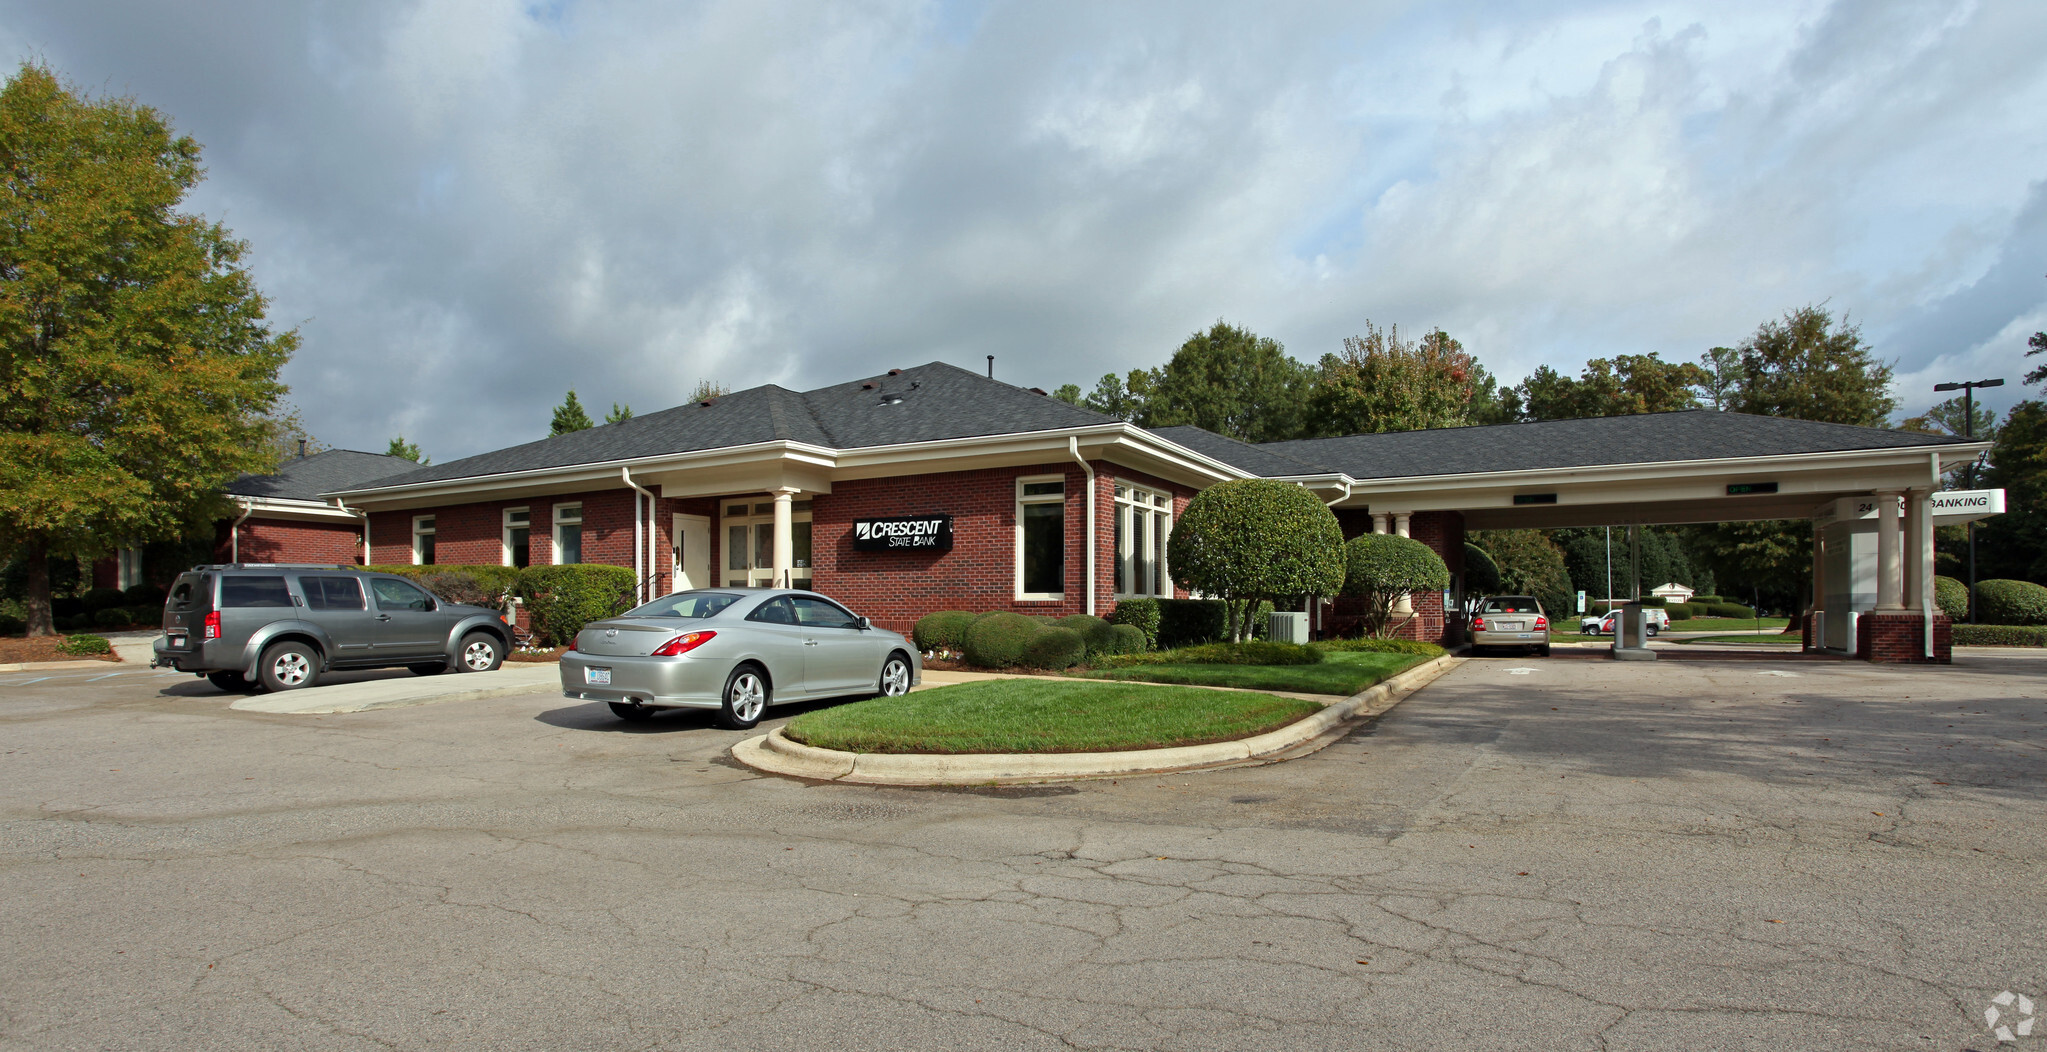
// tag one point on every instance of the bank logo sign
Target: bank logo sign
(931, 533)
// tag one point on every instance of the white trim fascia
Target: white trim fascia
(607, 470)
(280, 507)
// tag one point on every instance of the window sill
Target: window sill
(1059, 597)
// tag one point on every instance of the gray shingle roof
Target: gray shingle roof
(306, 478)
(937, 401)
(1258, 460)
(1698, 434)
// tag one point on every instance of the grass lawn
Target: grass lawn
(1036, 715)
(1750, 640)
(1341, 673)
(1726, 624)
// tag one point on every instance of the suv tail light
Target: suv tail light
(212, 629)
(683, 644)
(1478, 624)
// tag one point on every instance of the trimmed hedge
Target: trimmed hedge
(1099, 635)
(1055, 648)
(85, 645)
(1381, 646)
(98, 599)
(113, 617)
(1655, 600)
(1247, 653)
(1186, 622)
(1707, 599)
(1728, 610)
(2000, 635)
(1141, 614)
(500, 580)
(2006, 602)
(1679, 612)
(942, 630)
(562, 599)
(1129, 640)
(1952, 597)
(999, 638)
(143, 595)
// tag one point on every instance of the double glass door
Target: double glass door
(750, 544)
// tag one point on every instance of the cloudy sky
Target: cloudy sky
(469, 206)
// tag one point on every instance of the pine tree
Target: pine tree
(569, 416)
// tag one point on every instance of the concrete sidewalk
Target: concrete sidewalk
(512, 678)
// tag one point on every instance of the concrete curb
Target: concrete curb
(776, 754)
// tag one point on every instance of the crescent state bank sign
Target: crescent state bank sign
(925, 533)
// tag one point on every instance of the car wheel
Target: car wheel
(631, 712)
(289, 666)
(1543, 650)
(428, 668)
(895, 676)
(746, 698)
(481, 652)
(232, 682)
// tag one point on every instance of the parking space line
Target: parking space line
(26, 682)
(109, 675)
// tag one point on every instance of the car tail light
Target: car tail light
(683, 644)
(1478, 624)
(212, 629)
(1541, 621)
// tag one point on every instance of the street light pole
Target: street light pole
(1968, 390)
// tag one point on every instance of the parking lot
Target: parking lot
(1565, 853)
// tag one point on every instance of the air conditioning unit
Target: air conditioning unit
(1287, 626)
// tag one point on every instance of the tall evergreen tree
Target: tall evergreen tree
(619, 414)
(409, 450)
(569, 416)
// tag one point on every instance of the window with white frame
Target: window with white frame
(1144, 519)
(568, 533)
(1041, 537)
(750, 543)
(518, 537)
(422, 540)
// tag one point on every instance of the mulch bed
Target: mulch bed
(942, 665)
(42, 648)
(539, 657)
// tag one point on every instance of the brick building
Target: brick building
(934, 487)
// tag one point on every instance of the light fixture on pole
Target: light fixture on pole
(1968, 389)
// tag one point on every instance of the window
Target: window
(1041, 538)
(422, 540)
(130, 568)
(331, 593)
(776, 611)
(822, 613)
(568, 533)
(518, 537)
(253, 591)
(750, 544)
(399, 595)
(1144, 519)
(685, 604)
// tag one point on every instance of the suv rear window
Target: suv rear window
(191, 588)
(331, 593)
(253, 591)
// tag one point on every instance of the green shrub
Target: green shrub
(113, 617)
(1679, 612)
(1706, 600)
(560, 600)
(1655, 600)
(1381, 646)
(1381, 569)
(998, 639)
(85, 645)
(460, 586)
(11, 625)
(1729, 610)
(73, 623)
(143, 595)
(1185, 622)
(2000, 635)
(97, 599)
(942, 630)
(1249, 653)
(1055, 648)
(1141, 614)
(1261, 619)
(498, 582)
(1099, 635)
(1251, 539)
(1129, 640)
(2011, 603)
(1952, 597)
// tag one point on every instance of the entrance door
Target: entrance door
(692, 552)
(750, 544)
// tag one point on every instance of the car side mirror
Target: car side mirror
(862, 623)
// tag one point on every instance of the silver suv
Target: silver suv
(283, 626)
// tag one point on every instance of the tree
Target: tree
(704, 391)
(2014, 544)
(409, 450)
(1946, 418)
(1121, 399)
(1382, 569)
(1068, 393)
(1624, 385)
(569, 416)
(1769, 561)
(1253, 539)
(1529, 564)
(1805, 366)
(136, 364)
(1232, 382)
(1383, 383)
(619, 414)
(1481, 576)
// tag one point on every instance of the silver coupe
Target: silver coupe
(736, 650)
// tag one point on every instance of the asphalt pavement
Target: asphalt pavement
(1528, 854)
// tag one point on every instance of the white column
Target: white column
(1916, 538)
(785, 543)
(1400, 525)
(1819, 566)
(1888, 583)
(1405, 606)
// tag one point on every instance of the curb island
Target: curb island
(776, 754)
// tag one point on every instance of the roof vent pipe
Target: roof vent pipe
(991, 367)
(302, 449)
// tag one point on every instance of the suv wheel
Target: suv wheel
(428, 668)
(289, 666)
(481, 652)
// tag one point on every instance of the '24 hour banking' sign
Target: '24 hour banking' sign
(930, 533)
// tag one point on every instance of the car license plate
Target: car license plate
(597, 677)
(177, 639)
(1511, 626)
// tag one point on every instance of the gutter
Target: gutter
(365, 517)
(234, 533)
(1093, 513)
(639, 582)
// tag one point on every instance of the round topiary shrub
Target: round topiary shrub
(1381, 569)
(998, 639)
(1142, 614)
(143, 595)
(2011, 603)
(1251, 539)
(1129, 640)
(942, 630)
(1055, 648)
(98, 599)
(1679, 612)
(1099, 635)
(1952, 597)
(113, 617)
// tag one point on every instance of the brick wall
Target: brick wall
(1901, 638)
(282, 541)
(474, 533)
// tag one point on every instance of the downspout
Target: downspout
(1315, 601)
(639, 545)
(1093, 513)
(234, 534)
(1924, 510)
(365, 517)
